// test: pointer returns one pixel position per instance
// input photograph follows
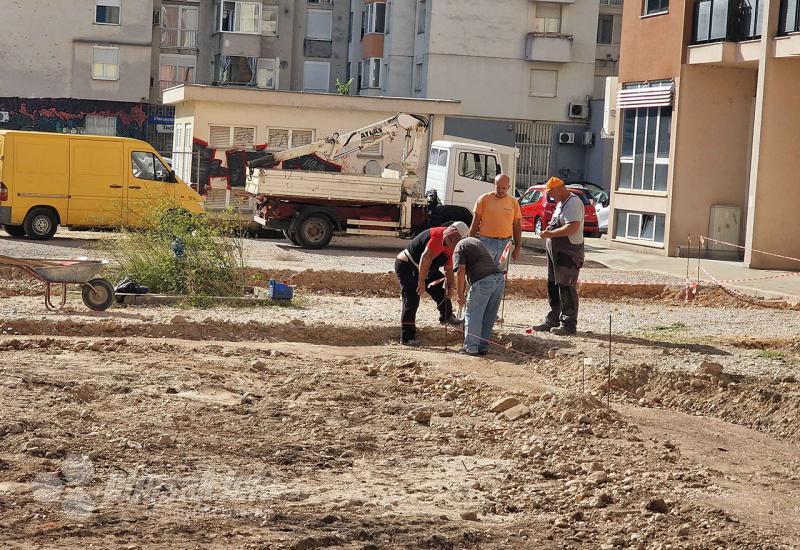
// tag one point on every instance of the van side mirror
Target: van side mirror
(171, 177)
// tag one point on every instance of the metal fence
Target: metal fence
(533, 139)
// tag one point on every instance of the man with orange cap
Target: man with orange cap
(565, 255)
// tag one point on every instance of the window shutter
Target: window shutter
(659, 95)
(244, 137)
(278, 139)
(302, 137)
(219, 137)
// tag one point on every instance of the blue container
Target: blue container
(279, 291)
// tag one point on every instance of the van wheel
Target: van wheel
(15, 230)
(40, 224)
(314, 231)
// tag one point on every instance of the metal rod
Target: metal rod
(608, 387)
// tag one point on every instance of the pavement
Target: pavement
(734, 275)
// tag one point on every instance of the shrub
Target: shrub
(181, 253)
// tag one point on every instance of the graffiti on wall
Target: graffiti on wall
(69, 115)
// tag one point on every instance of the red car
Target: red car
(537, 209)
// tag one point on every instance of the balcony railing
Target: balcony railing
(178, 38)
(790, 17)
(610, 2)
(727, 20)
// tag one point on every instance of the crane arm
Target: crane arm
(339, 145)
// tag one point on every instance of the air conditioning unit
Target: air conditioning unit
(156, 17)
(579, 110)
(566, 137)
(588, 139)
(4, 117)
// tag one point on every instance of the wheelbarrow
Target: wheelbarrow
(97, 293)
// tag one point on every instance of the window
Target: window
(644, 158)
(267, 73)
(279, 139)
(388, 17)
(639, 226)
(326, 2)
(225, 137)
(655, 6)
(105, 63)
(419, 75)
(147, 166)
(422, 16)
(107, 12)
(236, 69)
(371, 73)
(375, 17)
(269, 20)
(179, 26)
(175, 69)
(100, 125)
(544, 83)
(316, 76)
(442, 159)
(244, 17)
(478, 167)
(319, 24)
(548, 18)
(605, 29)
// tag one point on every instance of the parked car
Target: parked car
(602, 206)
(537, 209)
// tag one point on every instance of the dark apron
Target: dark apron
(566, 258)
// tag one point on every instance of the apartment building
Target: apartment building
(707, 129)
(609, 35)
(524, 71)
(81, 66)
(271, 44)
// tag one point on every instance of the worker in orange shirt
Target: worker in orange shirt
(496, 220)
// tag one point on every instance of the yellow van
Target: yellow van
(47, 180)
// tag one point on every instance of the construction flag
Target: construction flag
(505, 257)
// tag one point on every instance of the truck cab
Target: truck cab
(462, 172)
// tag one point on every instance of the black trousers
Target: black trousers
(408, 275)
(563, 299)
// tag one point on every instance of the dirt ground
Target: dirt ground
(310, 427)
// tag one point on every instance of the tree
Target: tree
(344, 87)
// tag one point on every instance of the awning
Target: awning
(646, 96)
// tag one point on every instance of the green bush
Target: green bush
(181, 253)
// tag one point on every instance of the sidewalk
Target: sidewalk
(756, 283)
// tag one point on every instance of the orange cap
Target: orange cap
(554, 182)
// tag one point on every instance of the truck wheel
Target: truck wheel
(15, 230)
(291, 237)
(314, 231)
(40, 224)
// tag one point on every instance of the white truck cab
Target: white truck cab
(461, 172)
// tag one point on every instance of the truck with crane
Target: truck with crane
(310, 200)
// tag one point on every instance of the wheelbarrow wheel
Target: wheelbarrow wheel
(98, 294)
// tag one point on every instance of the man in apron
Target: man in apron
(564, 244)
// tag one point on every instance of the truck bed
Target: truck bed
(325, 185)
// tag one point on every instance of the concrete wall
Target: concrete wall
(712, 147)
(654, 45)
(774, 202)
(338, 60)
(481, 60)
(500, 132)
(599, 156)
(46, 50)
(399, 47)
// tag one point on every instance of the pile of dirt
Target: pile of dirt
(716, 296)
(16, 282)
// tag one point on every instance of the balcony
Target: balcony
(178, 38)
(727, 21)
(552, 47)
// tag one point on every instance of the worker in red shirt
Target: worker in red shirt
(418, 266)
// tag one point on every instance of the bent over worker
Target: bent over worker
(565, 255)
(496, 220)
(418, 268)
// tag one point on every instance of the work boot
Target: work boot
(412, 343)
(544, 327)
(451, 320)
(463, 351)
(563, 331)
